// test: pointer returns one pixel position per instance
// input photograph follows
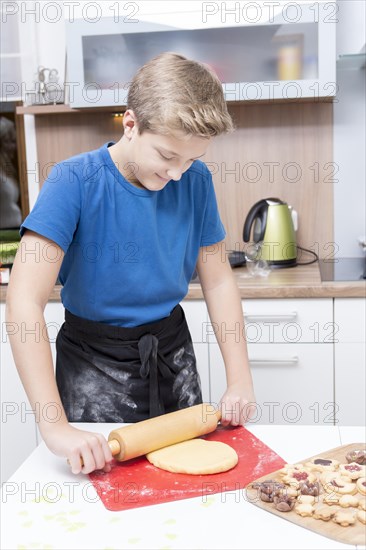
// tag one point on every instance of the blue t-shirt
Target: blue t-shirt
(129, 253)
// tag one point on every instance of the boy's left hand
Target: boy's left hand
(237, 405)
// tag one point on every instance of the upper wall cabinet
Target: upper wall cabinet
(260, 51)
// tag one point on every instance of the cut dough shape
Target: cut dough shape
(196, 456)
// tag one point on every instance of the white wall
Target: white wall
(349, 133)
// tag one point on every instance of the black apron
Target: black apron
(107, 373)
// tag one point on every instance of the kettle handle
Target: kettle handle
(259, 207)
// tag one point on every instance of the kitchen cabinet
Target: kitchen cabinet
(197, 319)
(18, 429)
(19, 433)
(259, 52)
(293, 384)
(290, 347)
(17, 52)
(350, 360)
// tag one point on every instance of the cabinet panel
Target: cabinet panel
(197, 318)
(350, 383)
(293, 383)
(18, 430)
(350, 319)
(258, 54)
(196, 315)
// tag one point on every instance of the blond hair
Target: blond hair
(172, 94)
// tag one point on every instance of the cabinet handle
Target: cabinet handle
(289, 361)
(270, 317)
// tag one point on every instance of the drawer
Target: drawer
(283, 321)
(293, 384)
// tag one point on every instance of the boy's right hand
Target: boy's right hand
(76, 445)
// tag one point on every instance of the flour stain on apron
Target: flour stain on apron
(187, 384)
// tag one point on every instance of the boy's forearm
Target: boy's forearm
(225, 310)
(28, 336)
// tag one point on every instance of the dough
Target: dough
(196, 456)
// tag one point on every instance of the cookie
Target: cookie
(337, 484)
(344, 518)
(358, 456)
(304, 510)
(348, 500)
(322, 464)
(361, 515)
(290, 468)
(290, 491)
(283, 503)
(268, 489)
(323, 512)
(361, 485)
(295, 477)
(307, 488)
(331, 499)
(306, 499)
(352, 470)
(362, 504)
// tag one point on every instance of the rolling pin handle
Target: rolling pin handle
(114, 447)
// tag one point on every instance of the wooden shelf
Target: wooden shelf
(65, 109)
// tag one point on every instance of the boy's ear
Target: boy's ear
(129, 123)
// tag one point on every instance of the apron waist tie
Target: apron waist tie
(152, 364)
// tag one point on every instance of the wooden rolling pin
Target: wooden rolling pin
(155, 433)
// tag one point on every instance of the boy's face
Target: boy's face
(156, 159)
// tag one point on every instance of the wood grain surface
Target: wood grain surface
(296, 282)
(353, 534)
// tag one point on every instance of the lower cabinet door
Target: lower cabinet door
(201, 353)
(293, 384)
(196, 316)
(18, 427)
(350, 383)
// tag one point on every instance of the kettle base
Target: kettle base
(282, 263)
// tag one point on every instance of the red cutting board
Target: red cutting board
(137, 483)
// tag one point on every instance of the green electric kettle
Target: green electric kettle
(273, 228)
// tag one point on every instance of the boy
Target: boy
(128, 224)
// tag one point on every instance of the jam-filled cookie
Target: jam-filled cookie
(295, 477)
(290, 468)
(322, 464)
(344, 518)
(338, 484)
(361, 485)
(352, 470)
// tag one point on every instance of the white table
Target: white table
(44, 506)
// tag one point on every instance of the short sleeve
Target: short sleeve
(213, 230)
(56, 212)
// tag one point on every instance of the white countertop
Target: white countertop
(44, 506)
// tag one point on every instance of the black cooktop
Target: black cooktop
(343, 269)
